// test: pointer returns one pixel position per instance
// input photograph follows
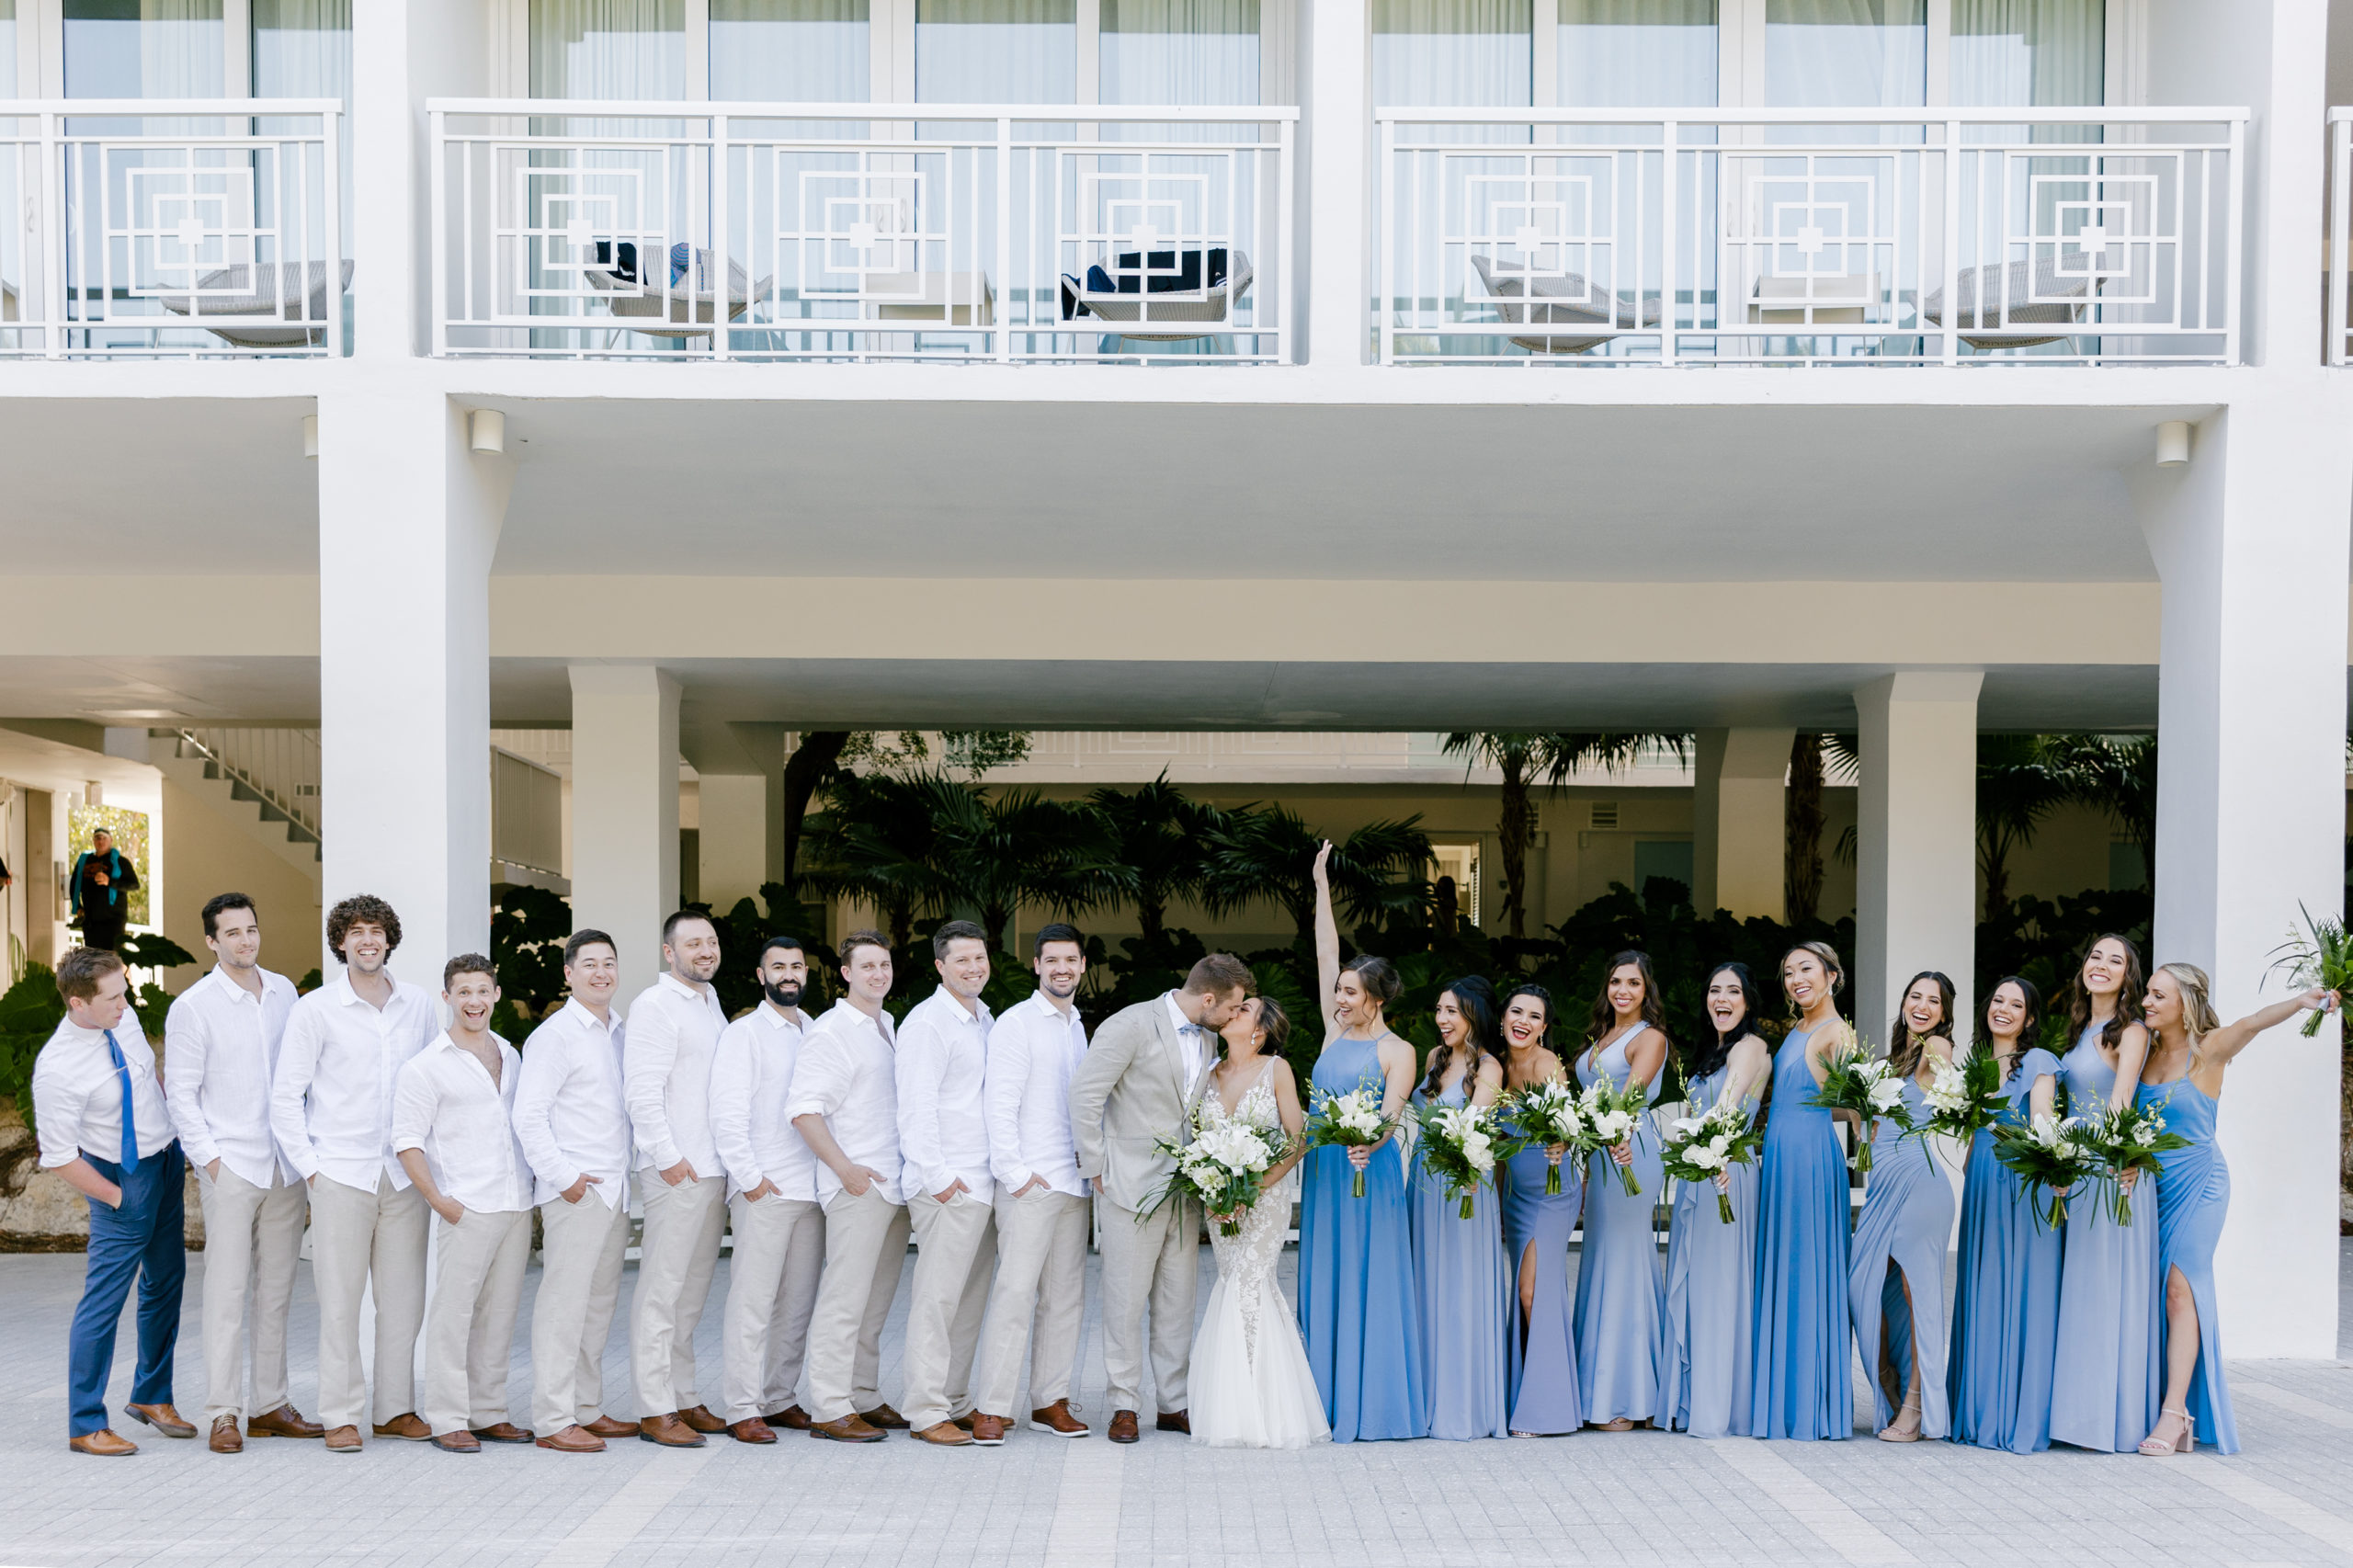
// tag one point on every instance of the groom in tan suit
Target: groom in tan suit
(1133, 1087)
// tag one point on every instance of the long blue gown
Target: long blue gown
(2106, 1384)
(1464, 1304)
(1357, 1309)
(1621, 1297)
(1900, 1237)
(2193, 1196)
(2005, 1301)
(1545, 1398)
(1711, 1270)
(1802, 1387)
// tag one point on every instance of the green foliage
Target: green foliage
(1266, 854)
(2041, 938)
(29, 1014)
(527, 930)
(1157, 832)
(152, 949)
(742, 930)
(312, 979)
(970, 751)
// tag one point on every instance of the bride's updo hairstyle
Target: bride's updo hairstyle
(1276, 1022)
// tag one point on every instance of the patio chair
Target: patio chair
(1210, 282)
(1576, 304)
(641, 305)
(293, 290)
(2002, 284)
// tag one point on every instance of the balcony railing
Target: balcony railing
(2340, 232)
(861, 232)
(177, 228)
(1809, 237)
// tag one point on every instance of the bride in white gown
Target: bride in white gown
(1251, 1385)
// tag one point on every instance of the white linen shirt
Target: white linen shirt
(1033, 1049)
(943, 1121)
(568, 1110)
(845, 1074)
(331, 1096)
(220, 1048)
(77, 1098)
(446, 1104)
(1189, 1033)
(666, 1075)
(751, 1082)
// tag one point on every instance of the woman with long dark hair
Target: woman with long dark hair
(1622, 1297)
(1711, 1267)
(1544, 1398)
(1458, 1272)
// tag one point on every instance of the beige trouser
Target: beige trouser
(359, 1238)
(470, 1338)
(1149, 1259)
(675, 1259)
(955, 1248)
(866, 1245)
(1038, 1301)
(771, 1288)
(581, 1245)
(252, 1235)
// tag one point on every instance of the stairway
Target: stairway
(183, 760)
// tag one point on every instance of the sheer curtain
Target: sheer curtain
(145, 49)
(1637, 54)
(302, 50)
(790, 50)
(1475, 53)
(609, 49)
(1003, 52)
(1846, 54)
(1180, 51)
(2043, 53)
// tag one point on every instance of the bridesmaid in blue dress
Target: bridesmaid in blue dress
(2006, 1300)
(2104, 1388)
(1801, 1386)
(1464, 1290)
(1900, 1237)
(1621, 1297)
(2189, 1049)
(1711, 1267)
(1356, 1307)
(1545, 1398)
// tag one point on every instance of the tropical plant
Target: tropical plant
(1801, 821)
(806, 770)
(874, 841)
(2019, 784)
(970, 751)
(993, 854)
(2116, 774)
(528, 929)
(1266, 854)
(1157, 831)
(29, 1013)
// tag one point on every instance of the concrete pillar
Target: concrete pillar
(408, 522)
(1336, 44)
(625, 810)
(733, 844)
(1915, 880)
(2250, 541)
(1737, 833)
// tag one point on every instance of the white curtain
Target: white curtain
(302, 50)
(1637, 54)
(609, 49)
(1846, 54)
(1015, 51)
(2039, 54)
(790, 50)
(144, 49)
(1180, 51)
(1474, 53)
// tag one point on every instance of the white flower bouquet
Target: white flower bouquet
(1462, 1144)
(2052, 1154)
(1962, 1099)
(1353, 1121)
(1224, 1166)
(1610, 1113)
(2129, 1138)
(1547, 1114)
(1698, 1148)
(1858, 1081)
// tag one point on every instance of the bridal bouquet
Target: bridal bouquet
(1610, 1115)
(1225, 1167)
(1964, 1099)
(2321, 954)
(1855, 1080)
(1698, 1147)
(1461, 1143)
(2128, 1139)
(2052, 1154)
(1352, 1120)
(1546, 1114)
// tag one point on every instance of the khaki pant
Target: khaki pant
(360, 1238)
(470, 1338)
(866, 1245)
(1149, 1259)
(955, 1248)
(771, 1288)
(675, 1259)
(1038, 1301)
(581, 1247)
(253, 1236)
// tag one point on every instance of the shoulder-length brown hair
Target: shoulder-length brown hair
(2128, 995)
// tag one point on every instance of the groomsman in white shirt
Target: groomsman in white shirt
(453, 1127)
(1039, 1299)
(673, 1027)
(772, 1201)
(575, 1131)
(220, 1041)
(845, 1104)
(331, 1110)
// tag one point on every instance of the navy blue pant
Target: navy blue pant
(141, 1240)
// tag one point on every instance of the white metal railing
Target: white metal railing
(2339, 261)
(278, 767)
(861, 232)
(1809, 237)
(174, 227)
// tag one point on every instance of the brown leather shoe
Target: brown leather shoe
(1056, 1418)
(988, 1431)
(792, 1417)
(344, 1440)
(1174, 1421)
(409, 1428)
(284, 1422)
(1123, 1426)
(669, 1431)
(224, 1438)
(883, 1418)
(611, 1426)
(161, 1417)
(751, 1430)
(102, 1443)
(963, 1423)
(502, 1432)
(573, 1439)
(848, 1429)
(946, 1435)
(456, 1443)
(700, 1418)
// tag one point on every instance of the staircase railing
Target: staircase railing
(278, 768)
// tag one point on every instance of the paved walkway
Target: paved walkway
(1642, 1498)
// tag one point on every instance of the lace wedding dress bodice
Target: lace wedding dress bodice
(1248, 1259)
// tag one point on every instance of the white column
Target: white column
(625, 810)
(1338, 123)
(1737, 828)
(2250, 540)
(408, 521)
(733, 842)
(1915, 883)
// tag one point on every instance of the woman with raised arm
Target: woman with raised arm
(1545, 1401)
(1621, 1297)
(1895, 1286)
(2104, 1386)
(1458, 1273)
(1357, 1309)
(1801, 1387)
(1711, 1266)
(2005, 1295)
(2189, 1048)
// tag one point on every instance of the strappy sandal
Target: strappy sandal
(1896, 1432)
(2157, 1447)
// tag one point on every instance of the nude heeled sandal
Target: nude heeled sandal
(2156, 1447)
(1895, 1432)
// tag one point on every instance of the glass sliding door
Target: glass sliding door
(996, 51)
(301, 49)
(1180, 51)
(609, 49)
(1637, 54)
(1846, 54)
(145, 49)
(1471, 54)
(790, 50)
(2037, 53)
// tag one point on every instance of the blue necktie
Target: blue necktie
(129, 1129)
